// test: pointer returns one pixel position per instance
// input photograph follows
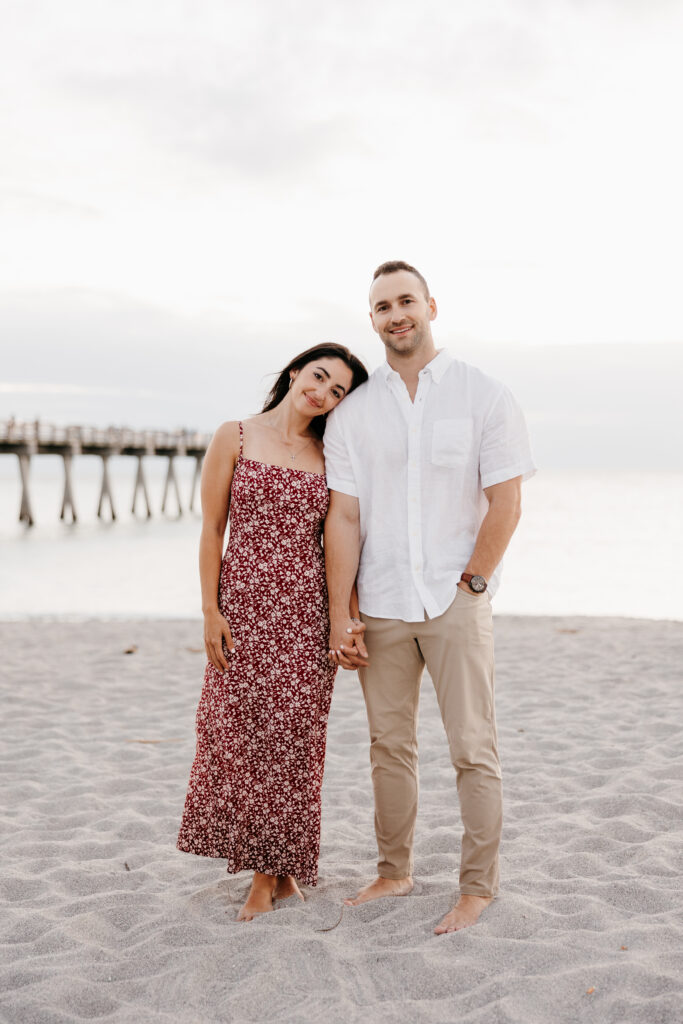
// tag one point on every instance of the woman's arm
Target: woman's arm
(217, 472)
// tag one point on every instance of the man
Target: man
(425, 464)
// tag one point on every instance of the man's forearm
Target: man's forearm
(494, 535)
(342, 552)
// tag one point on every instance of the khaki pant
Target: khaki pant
(457, 648)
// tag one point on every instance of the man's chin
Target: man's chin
(404, 345)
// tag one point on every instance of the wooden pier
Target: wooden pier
(26, 440)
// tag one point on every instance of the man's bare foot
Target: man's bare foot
(260, 898)
(465, 912)
(382, 887)
(286, 886)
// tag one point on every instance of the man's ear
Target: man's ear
(373, 323)
(432, 308)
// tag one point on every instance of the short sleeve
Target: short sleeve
(338, 468)
(505, 451)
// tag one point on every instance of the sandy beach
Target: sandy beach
(103, 919)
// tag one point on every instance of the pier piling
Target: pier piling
(68, 503)
(105, 490)
(25, 512)
(141, 485)
(171, 480)
(198, 463)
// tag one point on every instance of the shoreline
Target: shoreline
(103, 917)
(76, 618)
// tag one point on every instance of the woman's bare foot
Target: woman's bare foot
(260, 898)
(286, 886)
(465, 913)
(382, 887)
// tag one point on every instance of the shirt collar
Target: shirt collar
(439, 364)
(437, 367)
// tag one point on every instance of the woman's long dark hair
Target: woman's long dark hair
(328, 350)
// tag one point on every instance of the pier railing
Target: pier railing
(29, 439)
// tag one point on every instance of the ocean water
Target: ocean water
(588, 544)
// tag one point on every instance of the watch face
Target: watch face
(478, 584)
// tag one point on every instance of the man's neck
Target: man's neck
(408, 366)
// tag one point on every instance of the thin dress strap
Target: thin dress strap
(241, 436)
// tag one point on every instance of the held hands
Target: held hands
(347, 647)
(217, 630)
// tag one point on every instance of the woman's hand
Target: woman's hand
(347, 645)
(216, 630)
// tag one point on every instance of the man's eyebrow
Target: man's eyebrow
(382, 302)
(323, 370)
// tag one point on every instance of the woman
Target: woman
(254, 791)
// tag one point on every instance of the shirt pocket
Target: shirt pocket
(451, 442)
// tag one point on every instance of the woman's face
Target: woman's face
(318, 386)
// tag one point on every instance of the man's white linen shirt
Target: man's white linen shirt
(419, 470)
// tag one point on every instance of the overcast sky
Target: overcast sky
(190, 193)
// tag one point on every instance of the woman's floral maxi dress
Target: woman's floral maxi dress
(254, 790)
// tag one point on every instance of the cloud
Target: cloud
(37, 204)
(234, 161)
(271, 94)
(253, 131)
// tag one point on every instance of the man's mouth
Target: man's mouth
(398, 331)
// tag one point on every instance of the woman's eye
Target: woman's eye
(318, 376)
(336, 394)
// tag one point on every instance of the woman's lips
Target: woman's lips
(311, 402)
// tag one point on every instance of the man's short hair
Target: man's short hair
(392, 266)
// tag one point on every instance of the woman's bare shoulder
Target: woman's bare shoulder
(227, 437)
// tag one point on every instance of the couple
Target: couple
(424, 462)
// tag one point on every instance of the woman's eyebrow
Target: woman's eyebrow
(323, 370)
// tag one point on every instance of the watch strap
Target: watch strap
(467, 577)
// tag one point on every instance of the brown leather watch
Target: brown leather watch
(477, 584)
